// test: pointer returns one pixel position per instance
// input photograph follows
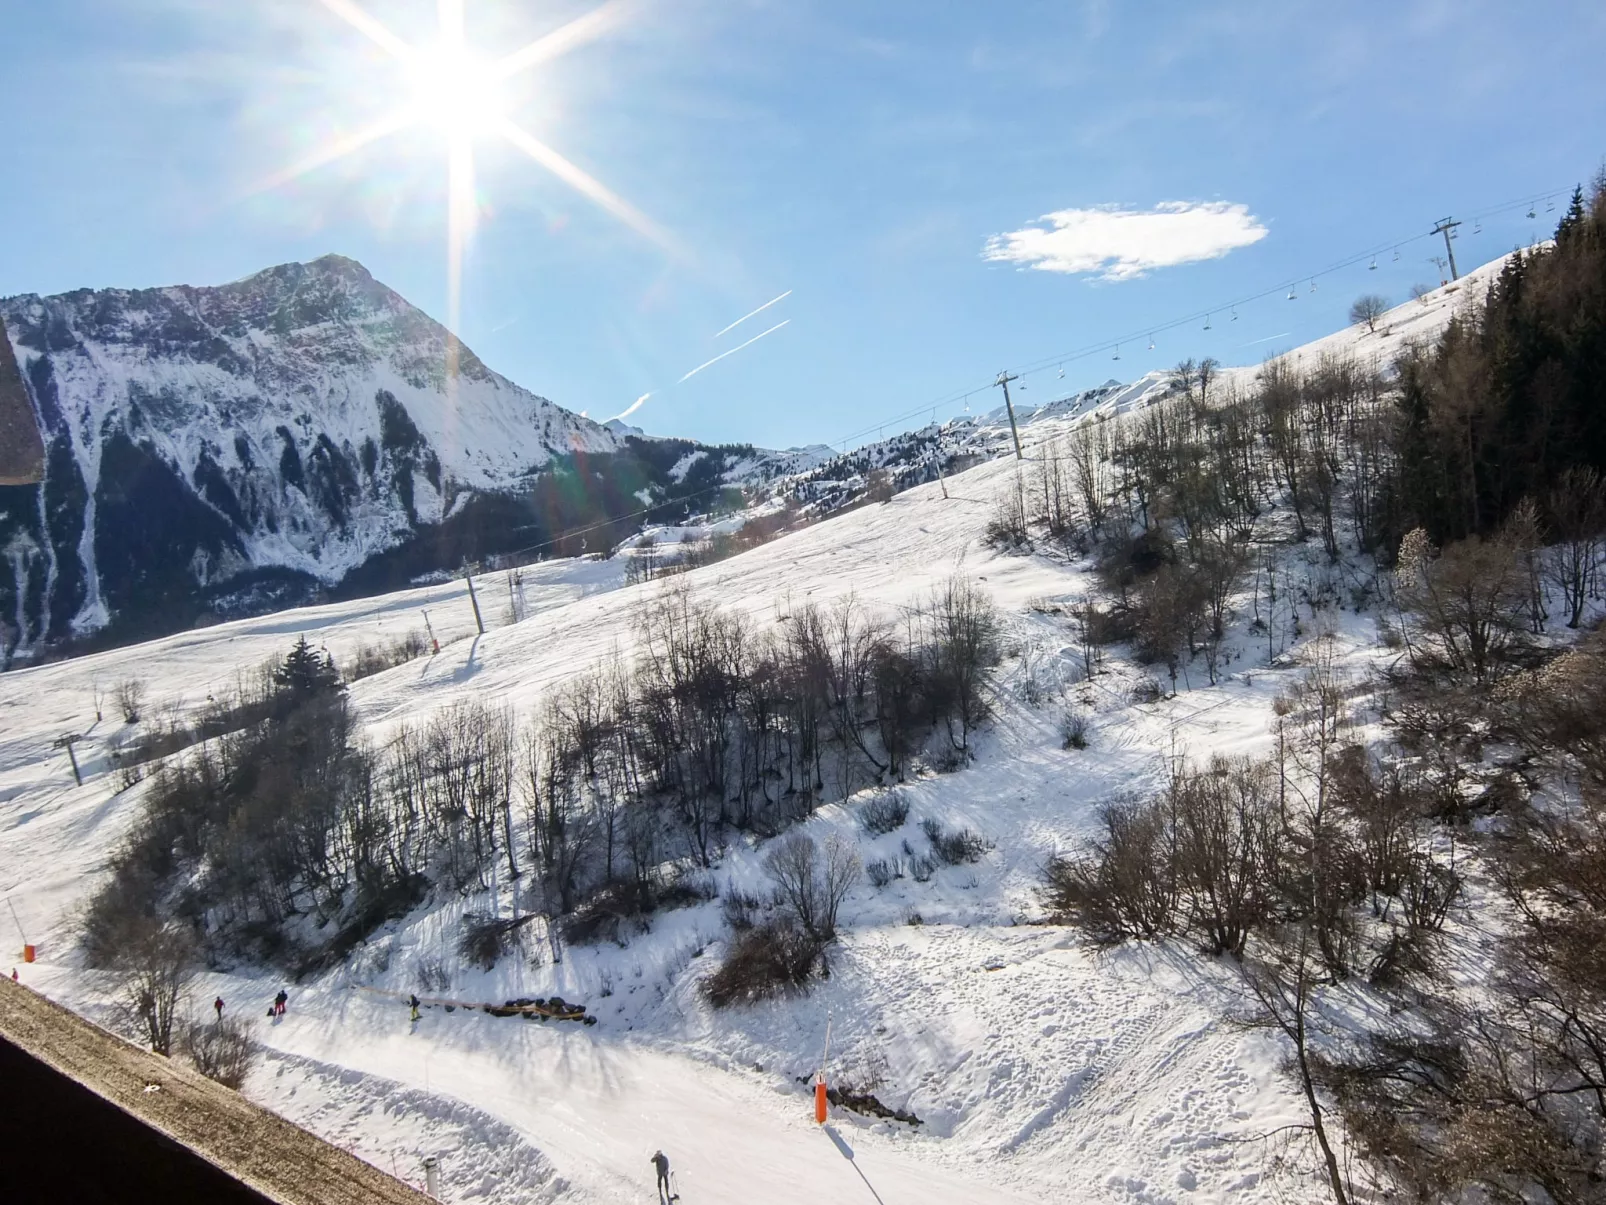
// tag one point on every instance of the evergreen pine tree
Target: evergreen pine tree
(1573, 219)
(304, 675)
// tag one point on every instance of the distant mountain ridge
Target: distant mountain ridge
(217, 451)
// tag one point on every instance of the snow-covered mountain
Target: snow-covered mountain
(212, 452)
(299, 420)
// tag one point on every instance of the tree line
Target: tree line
(293, 836)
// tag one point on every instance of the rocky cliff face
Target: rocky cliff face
(215, 450)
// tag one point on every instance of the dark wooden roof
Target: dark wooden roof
(86, 1116)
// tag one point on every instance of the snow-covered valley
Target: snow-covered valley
(1040, 1069)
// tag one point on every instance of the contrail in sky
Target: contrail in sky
(735, 349)
(760, 310)
(1267, 339)
(633, 407)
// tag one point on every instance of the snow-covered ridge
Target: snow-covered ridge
(834, 479)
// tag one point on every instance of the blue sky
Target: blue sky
(891, 164)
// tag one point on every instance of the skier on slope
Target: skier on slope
(412, 1003)
(217, 1005)
(660, 1162)
(280, 1001)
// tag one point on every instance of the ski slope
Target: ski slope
(1041, 1070)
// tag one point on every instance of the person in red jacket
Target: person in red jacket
(218, 1006)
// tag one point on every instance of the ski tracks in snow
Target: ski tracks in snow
(395, 1127)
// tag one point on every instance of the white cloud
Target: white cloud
(1121, 244)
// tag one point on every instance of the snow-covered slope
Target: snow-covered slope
(921, 455)
(1042, 1072)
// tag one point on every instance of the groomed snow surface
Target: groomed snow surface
(1043, 1071)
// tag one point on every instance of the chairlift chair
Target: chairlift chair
(1372, 267)
(1531, 212)
(1117, 354)
(1292, 296)
(1207, 322)
(1235, 313)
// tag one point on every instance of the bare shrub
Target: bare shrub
(430, 975)
(880, 872)
(222, 1050)
(1126, 885)
(485, 939)
(884, 814)
(1146, 690)
(129, 695)
(954, 848)
(740, 909)
(370, 659)
(1009, 530)
(764, 962)
(1228, 849)
(1073, 729)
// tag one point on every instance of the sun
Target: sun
(457, 91)
(463, 94)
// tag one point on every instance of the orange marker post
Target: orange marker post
(27, 953)
(821, 1100)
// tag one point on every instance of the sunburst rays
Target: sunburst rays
(456, 90)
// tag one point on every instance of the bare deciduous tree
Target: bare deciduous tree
(1282, 986)
(812, 888)
(1367, 309)
(153, 966)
